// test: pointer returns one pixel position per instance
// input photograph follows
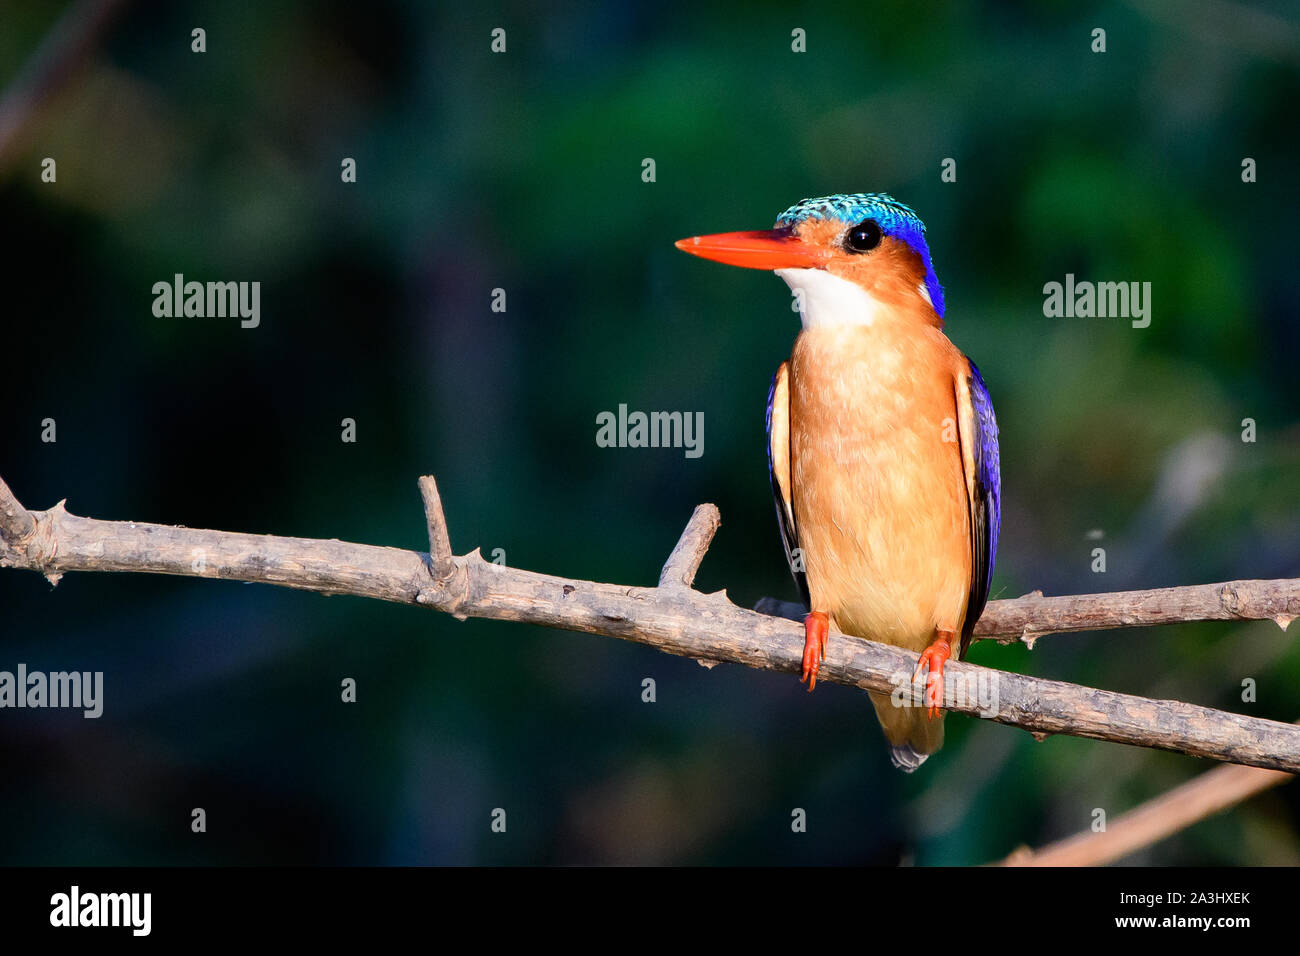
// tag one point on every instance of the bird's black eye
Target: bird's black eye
(864, 237)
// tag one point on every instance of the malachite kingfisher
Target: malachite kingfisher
(882, 445)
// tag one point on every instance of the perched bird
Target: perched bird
(882, 445)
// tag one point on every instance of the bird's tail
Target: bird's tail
(912, 735)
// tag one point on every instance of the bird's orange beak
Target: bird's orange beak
(759, 249)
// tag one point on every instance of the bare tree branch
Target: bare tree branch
(679, 570)
(1202, 796)
(1032, 616)
(439, 542)
(677, 620)
(1026, 619)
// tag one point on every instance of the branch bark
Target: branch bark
(679, 620)
(679, 570)
(439, 542)
(1026, 619)
(16, 522)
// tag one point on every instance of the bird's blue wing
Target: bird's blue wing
(979, 433)
(778, 469)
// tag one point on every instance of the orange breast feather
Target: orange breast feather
(877, 484)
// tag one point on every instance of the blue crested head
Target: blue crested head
(893, 218)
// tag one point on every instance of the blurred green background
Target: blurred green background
(522, 171)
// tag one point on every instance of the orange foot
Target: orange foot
(933, 658)
(815, 628)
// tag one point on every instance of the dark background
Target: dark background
(522, 171)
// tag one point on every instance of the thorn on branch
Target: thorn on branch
(679, 570)
(1029, 637)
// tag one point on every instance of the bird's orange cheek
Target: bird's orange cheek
(857, 269)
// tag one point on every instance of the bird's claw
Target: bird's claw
(932, 659)
(816, 627)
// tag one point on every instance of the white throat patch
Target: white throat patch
(826, 300)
